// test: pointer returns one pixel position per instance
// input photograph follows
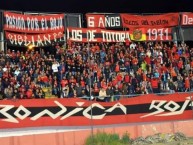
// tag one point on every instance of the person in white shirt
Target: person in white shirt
(132, 45)
(17, 72)
(55, 66)
(102, 94)
(148, 53)
(5, 69)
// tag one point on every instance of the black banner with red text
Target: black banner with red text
(37, 40)
(77, 112)
(102, 35)
(33, 23)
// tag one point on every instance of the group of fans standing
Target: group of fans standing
(106, 71)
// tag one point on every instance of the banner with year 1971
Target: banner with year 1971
(103, 35)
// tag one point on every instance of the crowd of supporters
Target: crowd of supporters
(97, 69)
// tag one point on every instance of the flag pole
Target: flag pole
(90, 93)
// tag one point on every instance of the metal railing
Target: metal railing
(133, 95)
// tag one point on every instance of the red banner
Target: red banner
(103, 21)
(135, 34)
(37, 40)
(165, 20)
(77, 112)
(33, 23)
(187, 19)
(95, 21)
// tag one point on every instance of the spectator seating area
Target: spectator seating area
(97, 69)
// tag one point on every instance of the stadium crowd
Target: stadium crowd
(110, 69)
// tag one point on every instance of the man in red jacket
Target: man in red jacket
(155, 85)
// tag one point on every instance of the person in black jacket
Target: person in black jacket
(110, 93)
(117, 93)
(171, 86)
(15, 94)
